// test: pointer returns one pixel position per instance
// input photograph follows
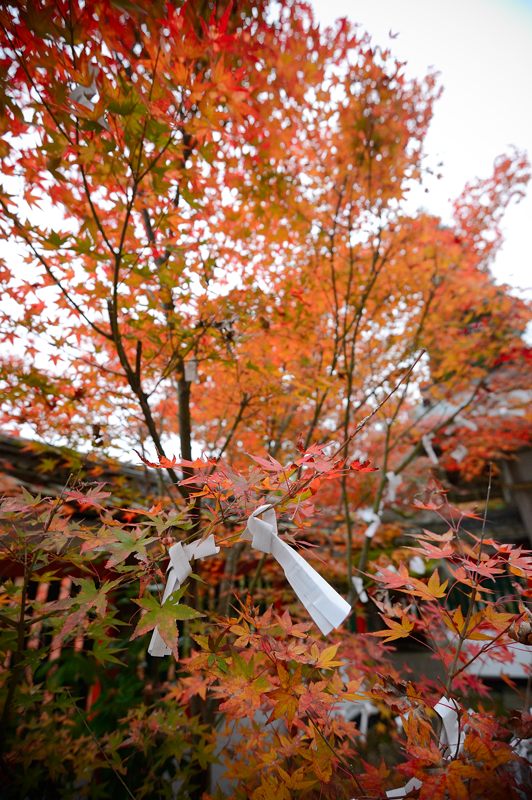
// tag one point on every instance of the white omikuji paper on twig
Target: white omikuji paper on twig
(450, 738)
(393, 482)
(451, 743)
(402, 791)
(358, 585)
(372, 518)
(191, 370)
(82, 95)
(405, 790)
(178, 571)
(326, 607)
(459, 453)
(466, 423)
(426, 441)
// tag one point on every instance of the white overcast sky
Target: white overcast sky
(483, 52)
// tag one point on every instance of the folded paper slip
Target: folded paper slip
(405, 790)
(178, 571)
(451, 737)
(326, 607)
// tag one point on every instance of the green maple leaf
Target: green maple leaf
(91, 596)
(127, 543)
(163, 617)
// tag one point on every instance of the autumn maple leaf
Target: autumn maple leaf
(362, 466)
(88, 498)
(395, 630)
(163, 617)
(163, 463)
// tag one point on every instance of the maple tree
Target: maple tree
(266, 676)
(212, 247)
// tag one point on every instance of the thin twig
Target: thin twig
(99, 746)
(463, 635)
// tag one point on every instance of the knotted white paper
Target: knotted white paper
(417, 565)
(402, 791)
(374, 520)
(393, 483)
(179, 569)
(429, 450)
(466, 423)
(82, 95)
(191, 371)
(451, 742)
(359, 711)
(451, 739)
(326, 607)
(358, 585)
(405, 790)
(459, 453)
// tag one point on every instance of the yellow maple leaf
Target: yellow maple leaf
(326, 658)
(395, 630)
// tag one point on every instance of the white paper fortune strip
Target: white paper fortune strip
(451, 742)
(451, 739)
(466, 423)
(372, 529)
(326, 607)
(393, 482)
(358, 585)
(417, 566)
(459, 453)
(178, 571)
(402, 791)
(373, 520)
(191, 371)
(405, 790)
(82, 95)
(429, 450)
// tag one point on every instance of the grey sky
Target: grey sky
(483, 51)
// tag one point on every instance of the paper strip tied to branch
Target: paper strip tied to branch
(358, 585)
(82, 95)
(372, 518)
(426, 441)
(393, 483)
(326, 607)
(451, 738)
(178, 571)
(405, 790)
(451, 742)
